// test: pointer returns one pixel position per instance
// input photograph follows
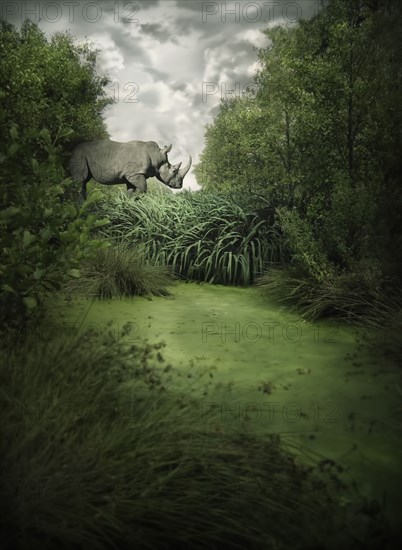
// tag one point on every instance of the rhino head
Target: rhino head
(171, 174)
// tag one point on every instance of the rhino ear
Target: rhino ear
(166, 149)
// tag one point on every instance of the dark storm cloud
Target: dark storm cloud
(161, 33)
(146, 4)
(158, 75)
(189, 4)
(177, 86)
(126, 43)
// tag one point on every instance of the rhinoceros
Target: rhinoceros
(109, 162)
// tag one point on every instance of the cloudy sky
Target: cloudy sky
(170, 61)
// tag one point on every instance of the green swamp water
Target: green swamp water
(327, 396)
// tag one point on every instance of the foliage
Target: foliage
(346, 296)
(306, 249)
(201, 236)
(234, 158)
(356, 298)
(120, 270)
(95, 452)
(46, 81)
(321, 143)
(44, 233)
(322, 137)
(42, 238)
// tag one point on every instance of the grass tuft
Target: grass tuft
(351, 297)
(122, 270)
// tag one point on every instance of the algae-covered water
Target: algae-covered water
(327, 395)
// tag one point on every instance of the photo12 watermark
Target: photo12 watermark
(228, 90)
(74, 11)
(259, 12)
(269, 412)
(126, 93)
(268, 331)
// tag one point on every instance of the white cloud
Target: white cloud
(110, 58)
(253, 68)
(254, 37)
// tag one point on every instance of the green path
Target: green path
(310, 382)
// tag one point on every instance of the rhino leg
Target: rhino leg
(80, 171)
(84, 190)
(138, 183)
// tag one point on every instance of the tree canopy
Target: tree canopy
(322, 138)
(45, 80)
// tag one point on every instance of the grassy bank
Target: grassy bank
(95, 453)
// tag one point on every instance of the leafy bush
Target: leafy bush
(44, 232)
(303, 245)
(94, 452)
(121, 270)
(43, 238)
(200, 235)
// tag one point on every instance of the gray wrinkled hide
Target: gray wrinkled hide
(109, 162)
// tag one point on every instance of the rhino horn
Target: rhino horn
(177, 166)
(184, 170)
(166, 149)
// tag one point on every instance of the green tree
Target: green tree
(44, 81)
(325, 132)
(50, 96)
(338, 75)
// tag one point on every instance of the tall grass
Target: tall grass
(201, 236)
(121, 270)
(352, 297)
(94, 454)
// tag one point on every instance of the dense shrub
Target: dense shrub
(43, 238)
(44, 232)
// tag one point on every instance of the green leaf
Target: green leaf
(9, 212)
(103, 221)
(27, 238)
(75, 273)
(30, 302)
(46, 233)
(66, 132)
(93, 197)
(13, 149)
(38, 273)
(14, 132)
(45, 134)
(71, 210)
(35, 165)
(7, 288)
(56, 190)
